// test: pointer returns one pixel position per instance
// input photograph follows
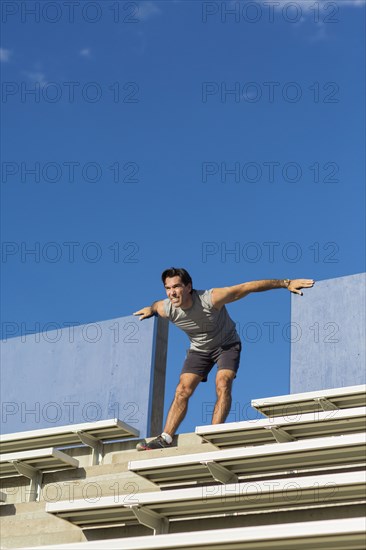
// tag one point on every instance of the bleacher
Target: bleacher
(302, 403)
(298, 474)
(90, 434)
(33, 464)
(345, 534)
(157, 509)
(24, 453)
(285, 429)
(230, 465)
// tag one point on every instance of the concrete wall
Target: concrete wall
(85, 373)
(328, 335)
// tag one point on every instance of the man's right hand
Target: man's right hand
(145, 313)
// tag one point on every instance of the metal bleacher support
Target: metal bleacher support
(32, 464)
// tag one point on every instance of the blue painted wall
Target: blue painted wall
(80, 374)
(328, 335)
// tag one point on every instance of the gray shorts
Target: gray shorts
(201, 363)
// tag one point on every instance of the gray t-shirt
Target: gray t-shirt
(206, 327)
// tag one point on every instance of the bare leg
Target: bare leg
(187, 384)
(224, 382)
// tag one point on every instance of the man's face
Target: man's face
(178, 293)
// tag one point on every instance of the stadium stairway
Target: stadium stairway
(298, 472)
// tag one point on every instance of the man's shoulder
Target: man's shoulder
(167, 306)
(202, 293)
(204, 296)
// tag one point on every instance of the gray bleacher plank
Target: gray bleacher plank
(302, 403)
(315, 491)
(310, 425)
(48, 459)
(259, 459)
(341, 534)
(63, 436)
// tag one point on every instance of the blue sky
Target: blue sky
(165, 133)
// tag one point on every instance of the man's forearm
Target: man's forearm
(222, 296)
(260, 286)
(156, 308)
(293, 285)
(266, 284)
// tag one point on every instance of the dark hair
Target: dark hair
(177, 272)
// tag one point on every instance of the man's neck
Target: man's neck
(189, 302)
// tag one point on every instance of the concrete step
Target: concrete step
(28, 524)
(99, 481)
(89, 483)
(28, 540)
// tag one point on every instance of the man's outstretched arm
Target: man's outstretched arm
(226, 295)
(157, 308)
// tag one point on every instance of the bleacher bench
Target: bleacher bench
(157, 509)
(341, 534)
(33, 464)
(285, 429)
(228, 465)
(92, 434)
(320, 400)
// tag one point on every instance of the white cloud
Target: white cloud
(303, 11)
(5, 54)
(36, 76)
(147, 9)
(320, 33)
(85, 52)
(352, 3)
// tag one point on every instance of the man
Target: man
(202, 315)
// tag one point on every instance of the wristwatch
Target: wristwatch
(287, 282)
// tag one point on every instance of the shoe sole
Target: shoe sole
(141, 447)
(145, 447)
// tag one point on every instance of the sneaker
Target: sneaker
(157, 443)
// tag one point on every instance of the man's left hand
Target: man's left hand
(296, 284)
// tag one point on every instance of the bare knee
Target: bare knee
(224, 385)
(183, 392)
